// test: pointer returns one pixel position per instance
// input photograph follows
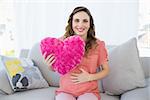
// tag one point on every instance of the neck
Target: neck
(84, 37)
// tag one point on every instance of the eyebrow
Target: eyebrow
(78, 18)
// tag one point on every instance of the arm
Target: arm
(85, 76)
(101, 74)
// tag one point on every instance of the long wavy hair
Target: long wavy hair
(91, 39)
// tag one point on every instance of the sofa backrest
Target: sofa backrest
(51, 77)
(145, 63)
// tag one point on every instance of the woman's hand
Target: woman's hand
(49, 60)
(80, 78)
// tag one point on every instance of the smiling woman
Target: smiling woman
(80, 24)
(81, 83)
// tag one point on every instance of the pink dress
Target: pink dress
(96, 57)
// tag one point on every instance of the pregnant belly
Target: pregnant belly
(67, 85)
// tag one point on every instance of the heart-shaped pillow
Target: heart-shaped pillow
(68, 53)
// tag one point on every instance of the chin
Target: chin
(80, 34)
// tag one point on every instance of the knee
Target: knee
(64, 96)
(87, 96)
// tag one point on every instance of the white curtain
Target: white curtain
(115, 20)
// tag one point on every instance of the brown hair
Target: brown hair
(91, 39)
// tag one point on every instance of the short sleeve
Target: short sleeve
(102, 53)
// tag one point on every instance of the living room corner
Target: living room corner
(124, 25)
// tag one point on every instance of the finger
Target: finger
(48, 57)
(53, 61)
(50, 60)
(82, 70)
(74, 81)
(74, 74)
(78, 82)
(74, 77)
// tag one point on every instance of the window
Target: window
(144, 27)
(7, 28)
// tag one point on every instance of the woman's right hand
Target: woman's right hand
(49, 60)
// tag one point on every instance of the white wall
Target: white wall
(116, 20)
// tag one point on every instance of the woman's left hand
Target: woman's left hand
(81, 77)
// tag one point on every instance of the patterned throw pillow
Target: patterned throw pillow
(23, 74)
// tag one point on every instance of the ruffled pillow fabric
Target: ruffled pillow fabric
(68, 53)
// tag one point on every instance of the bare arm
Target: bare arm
(100, 74)
(85, 76)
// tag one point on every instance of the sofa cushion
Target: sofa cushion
(105, 96)
(126, 72)
(138, 94)
(2, 93)
(36, 94)
(4, 82)
(145, 62)
(22, 74)
(44, 94)
(51, 77)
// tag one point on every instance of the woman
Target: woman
(81, 83)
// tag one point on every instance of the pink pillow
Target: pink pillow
(68, 53)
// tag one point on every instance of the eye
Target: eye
(85, 20)
(76, 20)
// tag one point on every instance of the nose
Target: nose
(80, 24)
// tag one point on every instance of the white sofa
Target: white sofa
(134, 92)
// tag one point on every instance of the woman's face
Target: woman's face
(81, 23)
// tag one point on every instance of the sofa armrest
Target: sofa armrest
(145, 62)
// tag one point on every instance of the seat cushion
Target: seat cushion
(2, 93)
(108, 97)
(138, 94)
(44, 94)
(36, 94)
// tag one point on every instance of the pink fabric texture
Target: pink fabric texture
(68, 53)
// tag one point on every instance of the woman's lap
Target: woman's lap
(64, 96)
(85, 96)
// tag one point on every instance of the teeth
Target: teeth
(80, 30)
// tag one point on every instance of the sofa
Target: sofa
(129, 77)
